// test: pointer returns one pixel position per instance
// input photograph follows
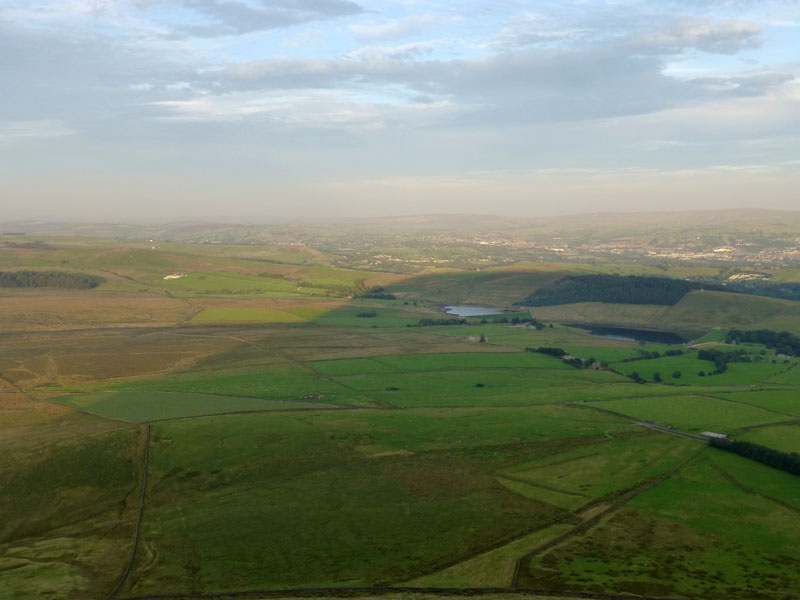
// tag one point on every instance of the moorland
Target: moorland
(274, 423)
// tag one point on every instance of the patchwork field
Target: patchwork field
(266, 431)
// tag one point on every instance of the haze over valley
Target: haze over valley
(400, 300)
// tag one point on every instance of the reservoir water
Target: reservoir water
(471, 311)
(636, 335)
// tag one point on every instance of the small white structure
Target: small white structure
(711, 434)
(175, 276)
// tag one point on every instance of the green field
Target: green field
(66, 527)
(693, 316)
(692, 413)
(781, 437)
(270, 382)
(575, 478)
(676, 539)
(690, 367)
(388, 314)
(307, 495)
(439, 362)
(144, 406)
(477, 387)
(301, 437)
(782, 401)
(247, 314)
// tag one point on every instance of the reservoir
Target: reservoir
(635, 335)
(471, 311)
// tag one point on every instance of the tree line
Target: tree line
(782, 342)
(613, 289)
(59, 279)
(721, 359)
(785, 291)
(647, 355)
(572, 361)
(437, 322)
(784, 461)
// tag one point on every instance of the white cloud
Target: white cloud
(726, 36)
(28, 130)
(410, 51)
(400, 28)
(309, 108)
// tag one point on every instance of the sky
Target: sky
(148, 110)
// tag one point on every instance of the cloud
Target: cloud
(309, 109)
(400, 28)
(532, 29)
(411, 51)
(143, 89)
(509, 88)
(233, 17)
(29, 130)
(727, 36)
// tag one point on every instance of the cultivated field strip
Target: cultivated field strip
(595, 518)
(137, 529)
(370, 592)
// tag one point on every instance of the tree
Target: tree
(676, 374)
(657, 377)
(482, 340)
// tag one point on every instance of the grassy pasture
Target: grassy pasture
(126, 262)
(439, 362)
(716, 336)
(313, 496)
(436, 496)
(478, 387)
(439, 429)
(66, 496)
(52, 309)
(75, 477)
(692, 413)
(493, 288)
(583, 474)
(389, 314)
(578, 476)
(216, 282)
(666, 545)
(789, 376)
(696, 313)
(20, 414)
(575, 341)
(271, 382)
(494, 568)
(141, 406)
(501, 286)
(285, 254)
(784, 401)
(246, 314)
(39, 360)
(687, 364)
(780, 437)
(690, 367)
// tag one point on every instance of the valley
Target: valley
(284, 427)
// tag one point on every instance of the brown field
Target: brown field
(19, 411)
(39, 358)
(27, 310)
